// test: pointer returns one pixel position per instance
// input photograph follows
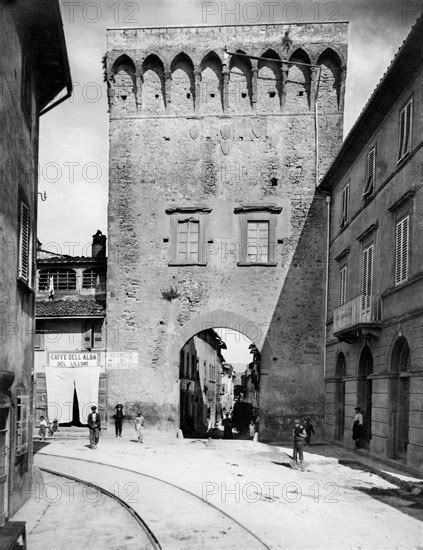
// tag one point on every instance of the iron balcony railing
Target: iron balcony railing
(360, 310)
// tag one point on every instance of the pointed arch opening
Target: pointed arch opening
(183, 85)
(269, 83)
(328, 99)
(340, 375)
(153, 90)
(298, 83)
(364, 393)
(399, 395)
(211, 95)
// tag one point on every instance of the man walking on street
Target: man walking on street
(94, 425)
(118, 419)
(300, 435)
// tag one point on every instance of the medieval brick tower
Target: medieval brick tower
(217, 139)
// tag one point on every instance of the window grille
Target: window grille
(91, 278)
(63, 279)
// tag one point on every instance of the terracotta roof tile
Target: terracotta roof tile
(70, 307)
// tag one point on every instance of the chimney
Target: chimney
(98, 249)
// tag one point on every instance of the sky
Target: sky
(74, 136)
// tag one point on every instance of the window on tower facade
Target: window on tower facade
(188, 230)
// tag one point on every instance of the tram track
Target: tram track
(213, 524)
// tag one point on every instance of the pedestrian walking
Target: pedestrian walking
(357, 429)
(309, 430)
(94, 426)
(139, 426)
(252, 429)
(299, 435)
(118, 419)
(54, 426)
(227, 427)
(42, 432)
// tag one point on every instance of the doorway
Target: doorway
(364, 394)
(399, 400)
(340, 374)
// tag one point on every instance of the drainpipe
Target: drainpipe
(328, 201)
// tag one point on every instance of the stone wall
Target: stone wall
(200, 134)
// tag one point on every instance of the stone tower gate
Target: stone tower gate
(213, 215)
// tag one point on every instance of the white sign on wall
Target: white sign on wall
(73, 359)
(122, 360)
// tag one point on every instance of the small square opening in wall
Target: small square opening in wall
(123, 96)
(274, 182)
(243, 95)
(272, 94)
(157, 96)
(301, 93)
(212, 95)
(188, 96)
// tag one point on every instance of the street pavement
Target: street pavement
(230, 493)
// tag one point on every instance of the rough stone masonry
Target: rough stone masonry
(215, 152)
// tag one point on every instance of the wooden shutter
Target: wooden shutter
(367, 277)
(370, 172)
(401, 250)
(24, 244)
(405, 124)
(98, 334)
(39, 335)
(345, 201)
(342, 285)
(88, 335)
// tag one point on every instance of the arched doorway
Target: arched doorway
(399, 397)
(340, 374)
(364, 394)
(197, 327)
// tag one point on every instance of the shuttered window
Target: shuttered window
(370, 173)
(258, 242)
(345, 203)
(22, 424)
(405, 122)
(401, 250)
(342, 285)
(188, 241)
(24, 268)
(367, 278)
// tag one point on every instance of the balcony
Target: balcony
(357, 318)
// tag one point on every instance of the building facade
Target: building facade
(34, 70)
(200, 382)
(375, 294)
(70, 336)
(217, 138)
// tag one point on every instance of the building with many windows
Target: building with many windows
(374, 340)
(34, 70)
(70, 341)
(218, 135)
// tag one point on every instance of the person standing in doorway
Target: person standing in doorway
(118, 419)
(227, 427)
(299, 435)
(94, 426)
(357, 429)
(139, 426)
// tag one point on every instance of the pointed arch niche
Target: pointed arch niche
(125, 88)
(298, 82)
(328, 99)
(153, 90)
(240, 88)
(211, 89)
(399, 399)
(183, 87)
(269, 83)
